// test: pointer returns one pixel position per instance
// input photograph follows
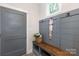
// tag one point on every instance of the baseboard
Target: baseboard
(29, 51)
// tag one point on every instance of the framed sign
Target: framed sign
(53, 8)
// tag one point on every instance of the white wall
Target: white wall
(32, 19)
(64, 8)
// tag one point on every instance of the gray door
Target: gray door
(66, 34)
(13, 32)
(56, 33)
(43, 29)
(70, 33)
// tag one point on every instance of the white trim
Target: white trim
(29, 51)
(14, 8)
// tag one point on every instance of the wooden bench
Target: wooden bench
(52, 50)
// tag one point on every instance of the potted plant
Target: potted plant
(38, 37)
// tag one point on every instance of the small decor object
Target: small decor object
(38, 37)
(53, 7)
